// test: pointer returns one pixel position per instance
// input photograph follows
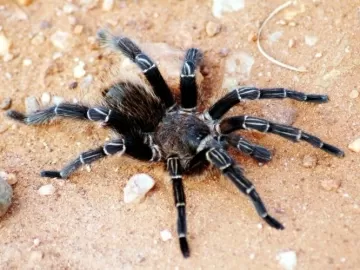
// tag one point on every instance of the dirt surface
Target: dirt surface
(86, 225)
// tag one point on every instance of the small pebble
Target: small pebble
(287, 260)
(78, 29)
(354, 94)
(69, 8)
(36, 242)
(165, 235)
(5, 196)
(291, 43)
(311, 40)
(318, 55)
(31, 104)
(56, 100)
(137, 187)
(224, 52)
(45, 98)
(8, 177)
(46, 190)
(6, 103)
(309, 161)
(72, 20)
(61, 40)
(355, 145)
(73, 85)
(212, 28)
(252, 37)
(330, 184)
(27, 62)
(5, 45)
(79, 70)
(24, 2)
(8, 57)
(108, 5)
(38, 39)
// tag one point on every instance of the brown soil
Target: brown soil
(86, 225)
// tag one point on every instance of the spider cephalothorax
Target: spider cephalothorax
(151, 126)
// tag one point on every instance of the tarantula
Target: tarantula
(151, 126)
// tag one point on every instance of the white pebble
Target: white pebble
(318, 55)
(354, 94)
(165, 235)
(287, 260)
(311, 40)
(69, 8)
(220, 6)
(4, 45)
(56, 100)
(38, 39)
(8, 57)
(61, 40)
(8, 177)
(31, 105)
(46, 190)
(137, 186)
(79, 70)
(355, 145)
(108, 5)
(36, 242)
(27, 62)
(45, 98)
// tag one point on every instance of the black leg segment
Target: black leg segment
(148, 67)
(221, 159)
(109, 148)
(231, 124)
(257, 152)
(188, 86)
(175, 171)
(235, 96)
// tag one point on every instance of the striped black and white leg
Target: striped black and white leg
(252, 93)
(188, 86)
(110, 148)
(148, 67)
(231, 124)
(175, 171)
(255, 151)
(68, 110)
(221, 159)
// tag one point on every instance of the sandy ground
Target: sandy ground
(86, 224)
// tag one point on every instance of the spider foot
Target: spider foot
(16, 116)
(261, 154)
(184, 247)
(51, 174)
(332, 150)
(274, 223)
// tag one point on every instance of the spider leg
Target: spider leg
(175, 171)
(255, 151)
(148, 67)
(188, 86)
(217, 110)
(66, 110)
(231, 124)
(221, 159)
(130, 146)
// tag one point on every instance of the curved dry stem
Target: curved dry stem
(267, 56)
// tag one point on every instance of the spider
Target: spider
(151, 126)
